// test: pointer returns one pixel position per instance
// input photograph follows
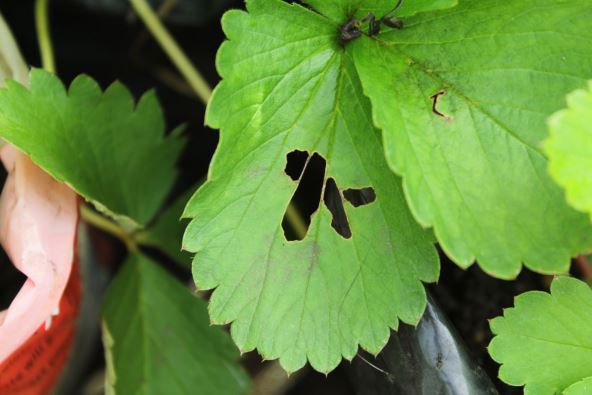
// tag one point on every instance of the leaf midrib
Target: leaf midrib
(279, 155)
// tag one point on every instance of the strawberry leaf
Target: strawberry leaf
(341, 10)
(462, 97)
(570, 149)
(158, 339)
(316, 298)
(545, 341)
(111, 152)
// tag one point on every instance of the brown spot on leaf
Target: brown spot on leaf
(435, 98)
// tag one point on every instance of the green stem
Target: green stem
(195, 79)
(106, 225)
(172, 49)
(43, 35)
(296, 222)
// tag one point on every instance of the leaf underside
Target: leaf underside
(545, 341)
(112, 152)
(569, 149)
(159, 340)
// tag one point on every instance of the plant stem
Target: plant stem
(585, 267)
(106, 225)
(295, 220)
(43, 35)
(195, 79)
(172, 49)
(273, 380)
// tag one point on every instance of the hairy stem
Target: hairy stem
(43, 35)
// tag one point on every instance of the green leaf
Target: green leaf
(583, 387)
(408, 8)
(111, 152)
(569, 149)
(166, 233)
(475, 171)
(158, 338)
(318, 298)
(341, 10)
(545, 341)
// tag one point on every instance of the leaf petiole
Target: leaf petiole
(43, 35)
(172, 49)
(108, 226)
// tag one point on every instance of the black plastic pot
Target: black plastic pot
(429, 359)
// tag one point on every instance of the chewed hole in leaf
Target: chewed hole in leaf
(309, 172)
(334, 203)
(295, 164)
(307, 197)
(360, 197)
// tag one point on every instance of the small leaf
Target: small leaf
(110, 152)
(166, 233)
(358, 270)
(462, 97)
(545, 341)
(158, 338)
(569, 149)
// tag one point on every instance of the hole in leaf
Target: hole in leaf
(334, 203)
(295, 164)
(307, 197)
(360, 197)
